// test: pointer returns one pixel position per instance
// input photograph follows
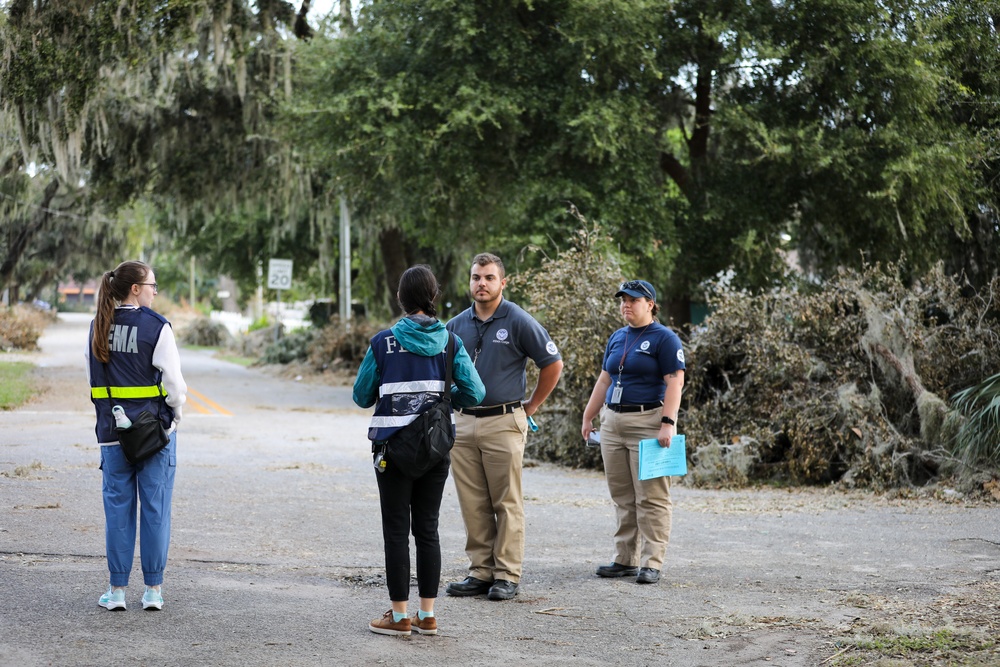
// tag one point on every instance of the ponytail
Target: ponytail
(114, 288)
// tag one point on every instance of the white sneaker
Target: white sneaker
(152, 599)
(113, 599)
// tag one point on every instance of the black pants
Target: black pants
(412, 503)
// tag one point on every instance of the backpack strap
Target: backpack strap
(449, 361)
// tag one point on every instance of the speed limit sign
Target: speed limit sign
(279, 274)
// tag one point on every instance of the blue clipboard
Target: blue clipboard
(656, 461)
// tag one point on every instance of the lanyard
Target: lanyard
(479, 343)
(621, 364)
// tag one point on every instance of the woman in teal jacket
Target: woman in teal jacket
(404, 371)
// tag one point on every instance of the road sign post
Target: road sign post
(279, 277)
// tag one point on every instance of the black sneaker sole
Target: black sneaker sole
(501, 596)
(466, 593)
(616, 575)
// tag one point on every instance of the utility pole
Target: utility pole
(344, 304)
(344, 310)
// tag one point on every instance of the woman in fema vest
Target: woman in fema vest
(638, 394)
(132, 355)
(404, 370)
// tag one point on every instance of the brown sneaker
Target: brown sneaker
(386, 626)
(428, 626)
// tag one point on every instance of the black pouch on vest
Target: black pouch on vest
(144, 438)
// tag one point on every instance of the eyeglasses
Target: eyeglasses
(156, 288)
(637, 286)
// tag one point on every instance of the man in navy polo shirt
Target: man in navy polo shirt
(490, 438)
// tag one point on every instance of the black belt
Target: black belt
(495, 411)
(634, 408)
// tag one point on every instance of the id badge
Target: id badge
(616, 395)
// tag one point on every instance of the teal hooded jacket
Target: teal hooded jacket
(425, 336)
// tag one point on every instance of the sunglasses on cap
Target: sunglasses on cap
(637, 286)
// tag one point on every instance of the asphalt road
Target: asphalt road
(276, 553)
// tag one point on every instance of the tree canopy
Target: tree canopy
(167, 103)
(704, 137)
(700, 134)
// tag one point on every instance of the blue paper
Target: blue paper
(656, 461)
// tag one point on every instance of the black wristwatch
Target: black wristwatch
(667, 420)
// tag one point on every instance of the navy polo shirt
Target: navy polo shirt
(501, 346)
(648, 355)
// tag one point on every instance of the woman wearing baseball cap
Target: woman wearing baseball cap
(637, 396)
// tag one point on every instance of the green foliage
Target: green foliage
(16, 385)
(699, 133)
(849, 133)
(294, 346)
(260, 323)
(978, 440)
(171, 102)
(411, 114)
(713, 127)
(572, 295)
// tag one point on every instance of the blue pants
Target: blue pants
(150, 485)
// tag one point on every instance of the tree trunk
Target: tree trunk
(394, 261)
(302, 29)
(677, 311)
(698, 145)
(346, 19)
(673, 168)
(21, 238)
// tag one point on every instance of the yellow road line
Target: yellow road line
(206, 401)
(193, 404)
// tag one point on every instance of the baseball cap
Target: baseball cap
(638, 289)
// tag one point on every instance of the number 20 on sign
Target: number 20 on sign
(279, 274)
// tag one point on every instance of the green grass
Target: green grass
(233, 359)
(200, 348)
(16, 385)
(935, 646)
(223, 356)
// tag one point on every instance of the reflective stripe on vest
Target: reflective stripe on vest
(391, 421)
(128, 392)
(414, 387)
(396, 421)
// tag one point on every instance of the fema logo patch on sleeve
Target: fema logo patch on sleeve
(680, 355)
(551, 348)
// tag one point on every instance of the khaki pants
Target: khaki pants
(643, 508)
(486, 465)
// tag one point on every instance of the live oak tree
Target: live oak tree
(701, 135)
(105, 104)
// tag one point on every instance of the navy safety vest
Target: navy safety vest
(409, 385)
(137, 383)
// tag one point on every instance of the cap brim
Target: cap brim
(632, 293)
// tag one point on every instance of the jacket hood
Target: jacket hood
(421, 335)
